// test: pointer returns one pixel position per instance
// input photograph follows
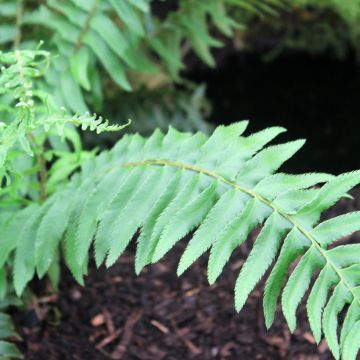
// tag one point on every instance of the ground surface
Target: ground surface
(158, 316)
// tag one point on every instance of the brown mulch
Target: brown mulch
(159, 316)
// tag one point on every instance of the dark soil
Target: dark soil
(159, 316)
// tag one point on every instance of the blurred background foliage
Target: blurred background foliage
(140, 59)
(314, 26)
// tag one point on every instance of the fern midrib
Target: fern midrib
(19, 64)
(20, 68)
(198, 169)
(19, 15)
(86, 26)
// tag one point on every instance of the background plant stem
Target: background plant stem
(41, 162)
(19, 15)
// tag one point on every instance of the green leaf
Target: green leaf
(352, 343)
(327, 196)
(188, 193)
(168, 47)
(318, 298)
(50, 232)
(270, 159)
(336, 228)
(8, 9)
(99, 23)
(352, 316)
(70, 245)
(143, 5)
(345, 255)
(126, 190)
(3, 283)
(7, 33)
(298, 283)
(9, 351)
(108, 59)
(24, 264)
(233, 235)
(276, 184)
(94, 205)
(260, 257)
(292, 200)
(79, 64)
(136, 209)
(10, 232)
(146, 242)
(186, 219)
(69, 86)
(229, 205)
(129, 16)
(7, 329)
(295, 244)
(340, 297)
(54, 272)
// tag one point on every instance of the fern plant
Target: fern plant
(222, 187)
(60, 201)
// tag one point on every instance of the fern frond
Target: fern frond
(85, 121)
(220, 188)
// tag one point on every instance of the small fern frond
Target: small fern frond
(218, 188)
(86, 121)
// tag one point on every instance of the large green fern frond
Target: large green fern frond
(221, 187)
